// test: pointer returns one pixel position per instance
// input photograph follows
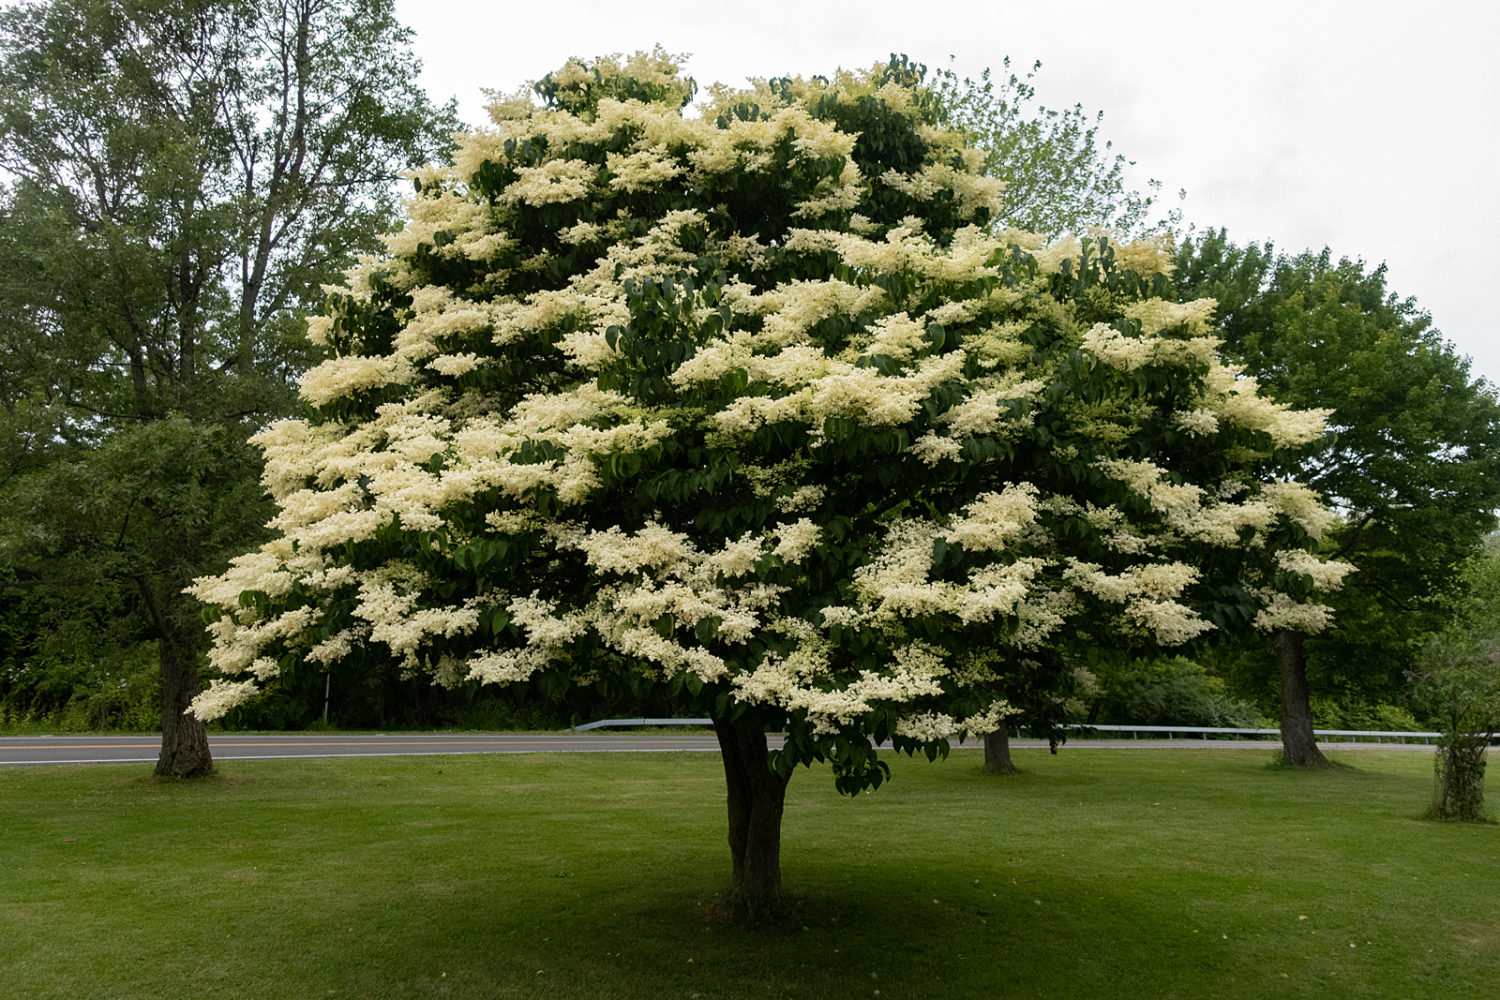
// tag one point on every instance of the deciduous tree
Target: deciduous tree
(184, 178)
(1410, 459)
(1060, 175)
(752, 411)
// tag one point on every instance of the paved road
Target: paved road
(231, 746)
(234, 746)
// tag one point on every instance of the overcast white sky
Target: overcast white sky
(1369, 127)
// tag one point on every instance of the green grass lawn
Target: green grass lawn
(1190, 873)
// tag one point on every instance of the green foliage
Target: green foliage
(1461, 680)
(1331, 713)
(378, 696)
(1459, 683)
(1411, 459)
(1060, 176)
(182, 180)
(1172, 691)
(116, 691)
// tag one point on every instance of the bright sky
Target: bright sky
(1370, 127)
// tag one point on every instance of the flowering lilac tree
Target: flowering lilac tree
(754, 410)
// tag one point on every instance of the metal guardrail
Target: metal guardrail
(619, 723)
(1204, 732)
(1170, 732)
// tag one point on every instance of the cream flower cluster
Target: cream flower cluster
(898, 581)
(1148, 594)
(1284, 613)
(562, 383)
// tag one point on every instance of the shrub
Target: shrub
(114, 690)
(1174, 691)
(1461, 680)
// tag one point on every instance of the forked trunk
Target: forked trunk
(756, 797)
(1298, 744)
(184, 742)
(997, 752)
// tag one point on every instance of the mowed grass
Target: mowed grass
(1193, 873)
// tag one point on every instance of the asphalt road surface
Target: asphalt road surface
(74, 749)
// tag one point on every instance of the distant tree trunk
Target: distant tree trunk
(756, 797)
(997, 752)
(1299, 745)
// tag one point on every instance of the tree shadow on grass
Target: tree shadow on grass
(903, 934)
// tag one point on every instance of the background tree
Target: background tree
(1060, 176)
(184, 177)
(751, 413)
(1411, 459)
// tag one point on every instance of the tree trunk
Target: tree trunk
(1299, 745)
(756, 797)
(997, 752)
(184, 741)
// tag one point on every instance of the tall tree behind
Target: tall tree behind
(184, 178)
(1060, 174)
(1411, 459)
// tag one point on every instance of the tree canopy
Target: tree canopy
(183, 178)
(1411, 458)
(1060, 175)
(755, 409)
